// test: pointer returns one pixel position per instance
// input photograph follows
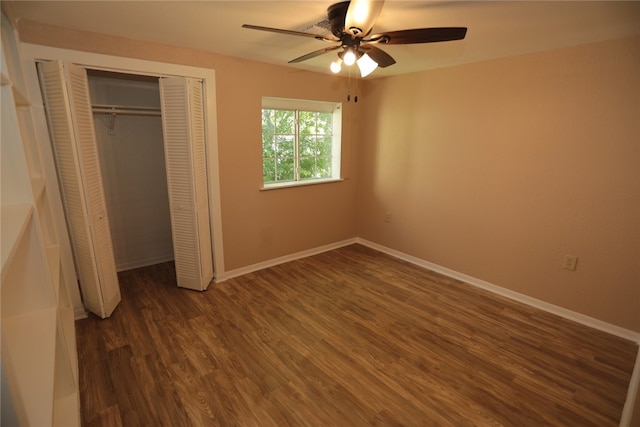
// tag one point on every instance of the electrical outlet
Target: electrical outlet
(570, 262)
(387, 217)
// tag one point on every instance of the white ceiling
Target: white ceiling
(495, 28)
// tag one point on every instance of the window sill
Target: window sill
(290, 184)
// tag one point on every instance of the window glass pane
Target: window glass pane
(325, 145)
(284, 122)
(269, 170)
(323, 167)
(285, 169)
(308, 145)
(307, 122)
(307, 168)
(285, 146)
(268, 121)
(324, 123)
(268, 146)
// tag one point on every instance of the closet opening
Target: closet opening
(128, 129)
(132, 160)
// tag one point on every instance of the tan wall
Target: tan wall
(500, 169)
(257, 225)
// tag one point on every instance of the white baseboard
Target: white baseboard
(281, 260)
(516, 296)
(79, 314)
(144, 262)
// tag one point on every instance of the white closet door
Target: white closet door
(185, 156)
(68, 106)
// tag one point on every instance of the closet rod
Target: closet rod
(122, 109)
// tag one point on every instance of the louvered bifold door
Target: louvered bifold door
(68, 106)
(185, 156)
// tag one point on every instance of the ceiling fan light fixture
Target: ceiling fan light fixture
(366, 65)
(349, 57)
(336, 66)
(360, 11)
(361, 15)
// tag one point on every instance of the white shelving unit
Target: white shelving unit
(39, 357)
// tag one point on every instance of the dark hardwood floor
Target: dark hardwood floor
(350, 337)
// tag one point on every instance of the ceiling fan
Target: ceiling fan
(351, 23)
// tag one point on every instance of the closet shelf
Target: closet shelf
(126, 109)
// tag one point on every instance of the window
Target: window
(300, 141)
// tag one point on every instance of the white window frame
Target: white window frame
(336, 148)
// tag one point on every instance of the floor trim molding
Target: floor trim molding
(516, 296)
(281, 260)
(533, 302)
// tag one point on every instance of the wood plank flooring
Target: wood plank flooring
(351, 337)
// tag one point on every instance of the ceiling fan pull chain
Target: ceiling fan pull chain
(355, 99)
(349, 87)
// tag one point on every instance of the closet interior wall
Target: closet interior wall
(128, 129)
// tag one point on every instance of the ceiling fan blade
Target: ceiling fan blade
(380, 56)
(289, 32)
(361, 16)
(314, 54)
(420, 35)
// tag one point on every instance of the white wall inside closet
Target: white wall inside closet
(131, 152)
